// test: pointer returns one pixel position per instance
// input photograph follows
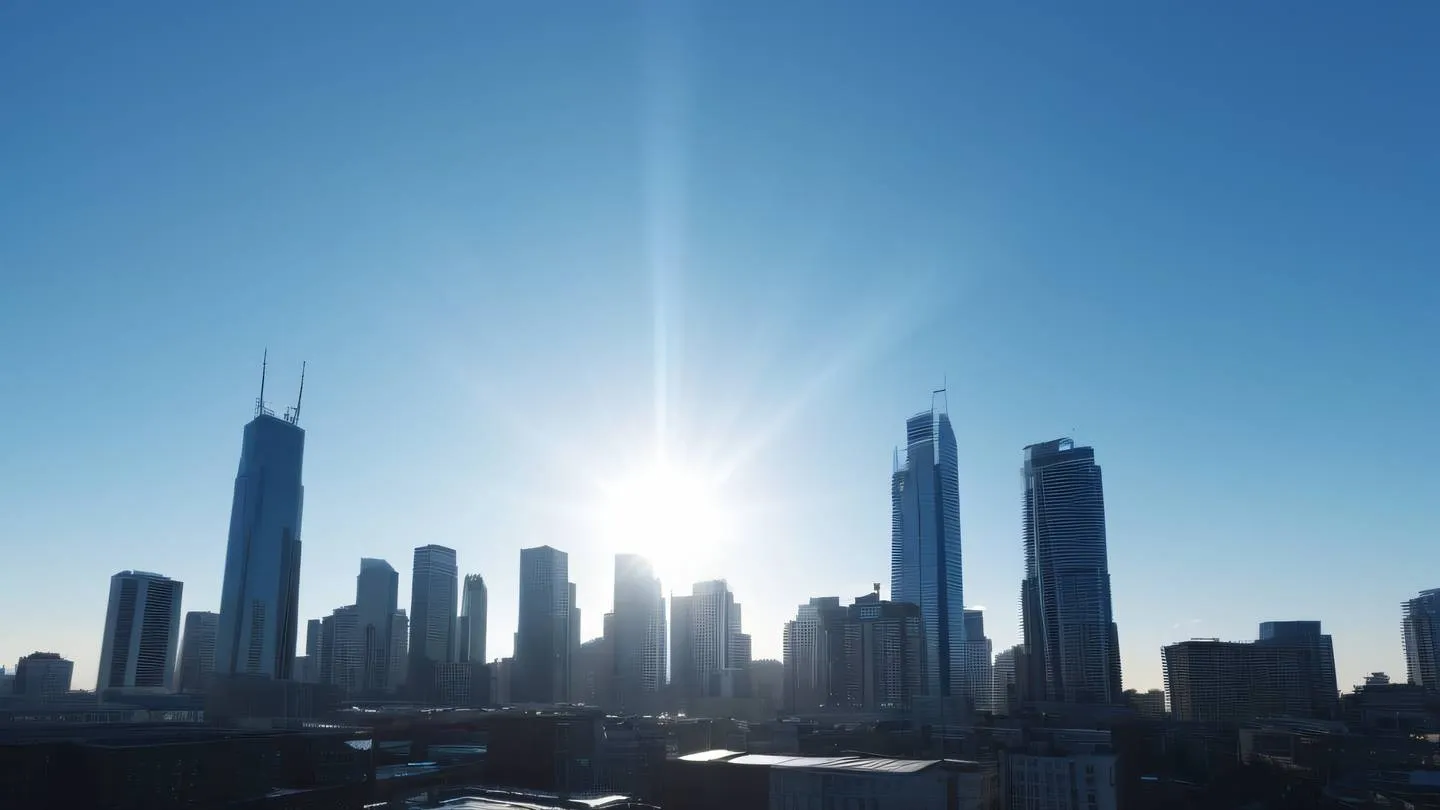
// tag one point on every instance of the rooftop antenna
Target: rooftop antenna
(940, 392)
(293, 417)
(260, 400)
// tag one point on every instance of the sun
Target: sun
(673, 517)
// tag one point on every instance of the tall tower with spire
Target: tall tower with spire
(259, 599)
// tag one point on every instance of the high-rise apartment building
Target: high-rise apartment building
(883, 655)
(545, 641)
(434, 589)
(979, 669)
(1288, 672)
(43, 676)
(474, 602)
(260, 596)
(925, 550)
(377, 589)
(638, 652)
(142, 632)
(1420, 630)
(1072, 651)
(197, 650)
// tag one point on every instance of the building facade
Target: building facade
(142, 633)
(1071, 643)
(1288, 673)
(377, 589)
(474, 607)
(809, 671)
(639, 634)
(545, 640)
(343, 660)
(705, 631)
(43, 676)
(1420, 629)
(882, 656)
(1004, 679)
(399, 649)
(197, 650)
(925, 550)
(434, 589)
(260, 595)
(979, 666)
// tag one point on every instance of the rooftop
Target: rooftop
(857, 764)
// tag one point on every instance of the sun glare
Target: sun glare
(671, 517)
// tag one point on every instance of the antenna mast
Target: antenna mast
(293, 415)
(260, 400)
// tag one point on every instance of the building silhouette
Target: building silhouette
(474, 603)
(197, 650)
(377, 588)
(925, 550)
(1288, 672)
(399, 648)
(1071, 645)
(142, 632)
(545, 640)
(639, 633)
(979, 666)
(433, 592)
(811, 681)
(260, 596)
(43, 676)
(1420, 629)
(342, 660)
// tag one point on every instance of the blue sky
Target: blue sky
(1194, 236)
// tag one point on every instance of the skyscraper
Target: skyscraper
(344, 650)
(1420, 631)
(43, 675)
(639, 635)
(399, 647)
(544, 640)
(705, 629)
(142, 631)
(979, 670)
(810, 680)
(1288, 672)
(197, 650)
(925, 554)
(1072, 651)
(433, 587)
(259, 600)
(474, 605)
(376, 599)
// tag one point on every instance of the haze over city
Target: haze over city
(532, 260)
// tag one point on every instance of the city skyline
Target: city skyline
(529, 253)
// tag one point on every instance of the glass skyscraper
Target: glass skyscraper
(259, 600)
(544, 639)
(376, 600)
(925, 558)
(434, 584)
(1072, 651)
(639, 634)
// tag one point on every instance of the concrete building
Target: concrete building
(1289, 672)
(705, 639)
(43, 676)
(810, 679)
(343, 656)
(1004, 679)
(142, 633)
(197, 650)
(979, 666)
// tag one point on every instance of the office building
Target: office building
(474, 600)
(43, 676)
(544, 640)
(639, 635)
(1004, 679)
(377, 589)
(260, 596)
(309, 670)
(807, 659)
(1420, 629)
(197, 650)
(433, 593)
(1060, 769)
(925, 551)
(142, 632)
(882, 656)
(343, 658)
(705, 627)
(399, 648)
(979, 666)
(1288, 672)
(1071, 644)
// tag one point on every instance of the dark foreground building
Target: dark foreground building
(161, 766)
